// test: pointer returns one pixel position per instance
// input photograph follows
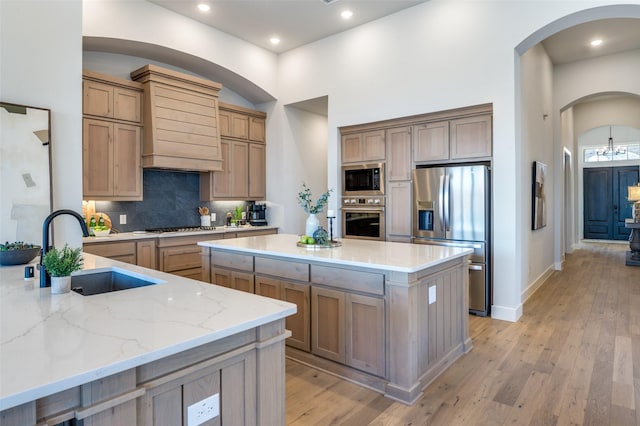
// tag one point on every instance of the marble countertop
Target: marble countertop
(141, 235)
(390, 256)
(49, 343)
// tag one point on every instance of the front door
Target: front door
(605, 201)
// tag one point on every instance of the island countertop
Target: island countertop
(49, 343)
(390, 256)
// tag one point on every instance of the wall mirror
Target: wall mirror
(25, 166)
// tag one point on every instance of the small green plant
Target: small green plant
(237, 214)
(61, 263)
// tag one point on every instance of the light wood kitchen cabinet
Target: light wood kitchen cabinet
(292, 292)
(348, 328)
(236, 280)
(362, 147)
(181, 129)
(140, 252)
(243, 174)
(431, 141)
(399, 211)
(181, 255)
(327, 324)
(110, 97)
(398, 142)
(471, 137)
(111, 161)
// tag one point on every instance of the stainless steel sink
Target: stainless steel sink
(100, 281)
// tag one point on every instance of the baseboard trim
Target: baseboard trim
(506, 313)
(536, 284)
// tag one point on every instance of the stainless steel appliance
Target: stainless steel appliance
(452, 208)
(257, 215)
(363, 180)
(363, 218)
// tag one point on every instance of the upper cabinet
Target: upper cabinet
(181, 129)
(431, 141)
(111, 138)
(243, 173)
(363, 146)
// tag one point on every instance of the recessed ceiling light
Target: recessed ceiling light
(596, 42)
(274, 40)
(203, 7)
(346, 14)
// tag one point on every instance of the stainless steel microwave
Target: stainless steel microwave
(363, 179)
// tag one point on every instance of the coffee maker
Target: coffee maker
(257, 215)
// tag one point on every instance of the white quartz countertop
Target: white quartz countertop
(391, 256)
(141, 235)
(49, 343)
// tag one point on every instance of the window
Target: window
(629, 151)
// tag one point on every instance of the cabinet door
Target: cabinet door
(298, 323)
(97, 99)
(365, 333)
(242, 281)
(431, 141)
(127, 170)
(327, 336)
(146, 254)
(257, 172)
(127, 104)
(173, 259)
(97, 158)
(221, 276)
(239, 126)
(399, 154)
(471, 137)
(257, 129)
(224, 121)
(222, 179)
(373, 146)
(239, 169)
(268, 287)
(352, 148)
(399, 208)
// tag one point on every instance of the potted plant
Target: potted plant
(60, 264)
(304, 199)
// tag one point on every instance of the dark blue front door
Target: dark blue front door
(605, 201)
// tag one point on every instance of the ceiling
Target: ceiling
(295, 22)
(572, 44)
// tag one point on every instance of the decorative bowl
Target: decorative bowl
(18, 257)
(102, 233)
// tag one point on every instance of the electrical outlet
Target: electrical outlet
(432, 294)
(203, 410)
(123, 219)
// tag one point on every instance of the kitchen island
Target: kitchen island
(389, 316)
(138, 356)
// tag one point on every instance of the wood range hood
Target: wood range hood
(181, 125)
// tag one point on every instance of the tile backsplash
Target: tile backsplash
(171, 198)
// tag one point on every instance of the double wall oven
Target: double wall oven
(363, 201)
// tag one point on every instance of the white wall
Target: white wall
(607, 111)
(536, 82)
(571, 196)
(41, 65)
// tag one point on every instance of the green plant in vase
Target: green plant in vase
(237, 215)
(60, 263)
(306, 202)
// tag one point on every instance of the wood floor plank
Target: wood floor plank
(573, 358)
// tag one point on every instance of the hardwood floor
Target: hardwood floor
(572, 359)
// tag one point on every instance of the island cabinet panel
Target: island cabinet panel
(365, 333)
(299, 294)
(236, 280)
(327, 324)
(347, 279)
(282, 268)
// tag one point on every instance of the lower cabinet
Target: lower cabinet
(141, 252)
(182, 255)
(348, 328)
(292, 292)
(236, 280)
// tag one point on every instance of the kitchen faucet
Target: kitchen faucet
(45, 279)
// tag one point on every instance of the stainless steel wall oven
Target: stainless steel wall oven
(363, 218)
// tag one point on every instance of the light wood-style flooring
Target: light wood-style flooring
(573, 358)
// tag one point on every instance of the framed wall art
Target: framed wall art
(539, 202)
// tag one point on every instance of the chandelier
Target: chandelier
(610, 150)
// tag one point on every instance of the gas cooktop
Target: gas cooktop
(181, 229)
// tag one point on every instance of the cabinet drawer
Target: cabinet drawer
(282, 268)
(242, 262)
(180, 258)
(112, 250)
(366, 282)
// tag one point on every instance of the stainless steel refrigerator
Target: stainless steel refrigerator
(452, 207)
